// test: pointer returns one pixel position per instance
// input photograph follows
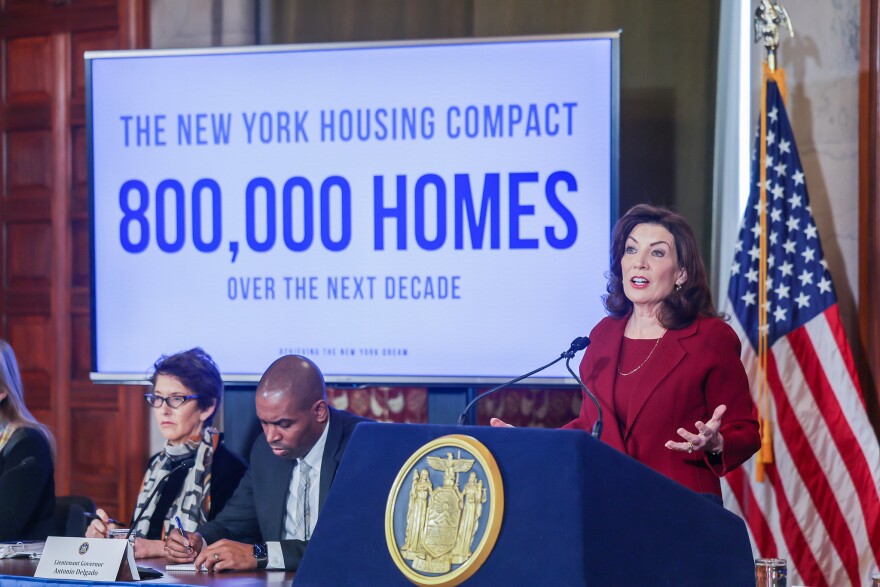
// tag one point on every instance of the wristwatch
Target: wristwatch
(261, 553)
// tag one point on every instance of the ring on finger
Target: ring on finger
(216, 556)
(690, 447)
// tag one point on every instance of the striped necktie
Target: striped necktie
(303, 507)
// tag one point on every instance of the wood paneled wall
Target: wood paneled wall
(44, 240)
(869, 205)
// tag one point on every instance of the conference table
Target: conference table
(16, 572)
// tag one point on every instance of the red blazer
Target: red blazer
(692, 371)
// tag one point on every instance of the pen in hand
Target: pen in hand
(183, 532)
(92, 516)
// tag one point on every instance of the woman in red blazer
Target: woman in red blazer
(663, 365)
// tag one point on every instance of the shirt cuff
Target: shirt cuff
(276, 556)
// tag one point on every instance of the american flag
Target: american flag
(818, 505)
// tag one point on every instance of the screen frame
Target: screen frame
(344, 380)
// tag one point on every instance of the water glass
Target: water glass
(771, 572)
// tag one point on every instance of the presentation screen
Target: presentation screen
(434, 212)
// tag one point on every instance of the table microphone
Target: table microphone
(578, 344)
(159, 485)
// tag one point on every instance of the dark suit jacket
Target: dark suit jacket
(256, 511)
(692, 371)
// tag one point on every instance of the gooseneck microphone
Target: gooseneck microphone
(578, 344)
(159, 486)
(596, 432)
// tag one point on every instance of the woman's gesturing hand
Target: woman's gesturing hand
(708, 438)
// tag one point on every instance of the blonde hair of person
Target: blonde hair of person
(12, 408)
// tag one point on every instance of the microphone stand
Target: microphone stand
(596, 432)
(159, 486)
(577, 344)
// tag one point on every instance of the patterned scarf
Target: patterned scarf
(6, 432)
(194, 500)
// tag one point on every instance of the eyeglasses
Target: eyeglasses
(173, 401)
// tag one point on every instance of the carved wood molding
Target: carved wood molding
(868, 357)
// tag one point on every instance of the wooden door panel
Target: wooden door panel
(868, 360)
(24, 302)
(26, 115)
(29, 67)
(79, 191)
(105, 427)
(80, 274)
(29, 254)
(31, 338)
(21, 18)
(81, 356)
(29, 155)
(96, 449)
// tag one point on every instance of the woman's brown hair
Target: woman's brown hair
(682, 306)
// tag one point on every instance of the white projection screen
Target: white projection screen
(433, 212)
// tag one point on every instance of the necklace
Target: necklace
(6, 431)
(643, 362)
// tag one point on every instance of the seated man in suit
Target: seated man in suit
(269, 519)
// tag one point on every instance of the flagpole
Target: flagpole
(768, 16)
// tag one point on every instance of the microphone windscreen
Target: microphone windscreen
(580, 343)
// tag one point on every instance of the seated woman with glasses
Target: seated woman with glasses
(186, 393)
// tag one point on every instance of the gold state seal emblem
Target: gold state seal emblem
(444, 511)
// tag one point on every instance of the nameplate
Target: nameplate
(87, 559)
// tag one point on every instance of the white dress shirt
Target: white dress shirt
(313, 459)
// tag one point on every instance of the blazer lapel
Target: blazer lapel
(667, 355)
(330, 460)
(606, 353)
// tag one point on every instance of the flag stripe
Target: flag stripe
(838, 335)
(798, 530)
(845, 441)
(764, 494)
(751, 512)
(838, 479)
(832, 349)
(790, 485)
(785, 495)
(796, 542)
(811, 471)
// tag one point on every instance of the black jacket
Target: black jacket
(27, 494)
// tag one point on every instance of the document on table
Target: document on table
(185, 568)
